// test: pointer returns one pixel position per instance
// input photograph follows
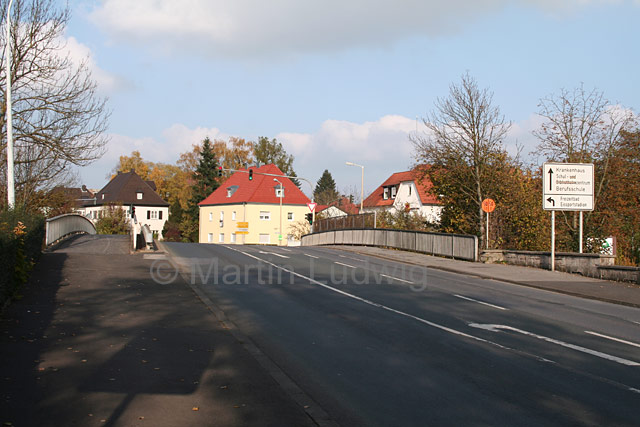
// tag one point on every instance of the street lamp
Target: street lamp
(11, 198)
(281, 196)
(361, 184)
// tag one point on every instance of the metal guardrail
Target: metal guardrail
(147, 235)
(457, 246)
(65, 225)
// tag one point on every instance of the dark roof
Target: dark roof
(124, 188)
(75, 195)
(260, 190)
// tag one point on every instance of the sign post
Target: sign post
(567, 187)
(488, 205)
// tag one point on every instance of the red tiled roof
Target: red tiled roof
(260, 190)
(423, 186)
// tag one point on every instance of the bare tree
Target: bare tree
(464, 143)
(582, 126)
(59, 119)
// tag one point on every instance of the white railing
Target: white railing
(65, 225)
(457, 246)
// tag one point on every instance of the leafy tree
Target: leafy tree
(325, 191)
(618, 212)
(268, 151)
(235, 154)
(58, 118)
(112, 221)
(133, 162)
(464, 148)
(206, 181)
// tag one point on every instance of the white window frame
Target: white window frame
(139, 195)
(154, 214)
(221, 219)
(385, 193)
(210, 237)
(265, 215)
(233, 216)
(290, 216)
(210, 216)
(280, 192)
(394, 192)
(233, 237)
(221, 238)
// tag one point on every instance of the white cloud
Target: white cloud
(82, 54)
(249, 28)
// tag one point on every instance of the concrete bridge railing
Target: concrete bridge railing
(458, 246)
(65, 225)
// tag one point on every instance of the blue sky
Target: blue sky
(338, 80)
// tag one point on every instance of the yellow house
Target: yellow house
(253, 211)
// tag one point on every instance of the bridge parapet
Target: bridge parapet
(65, 225)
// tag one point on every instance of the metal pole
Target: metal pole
(488, 230)
(553, 240)
(362, 190)
(281, 196)
(581, 236)
(11, 198)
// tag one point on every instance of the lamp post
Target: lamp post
(361, 184)
(281, 196)
(11, 198)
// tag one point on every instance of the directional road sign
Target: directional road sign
(568, 187)
(242, 228)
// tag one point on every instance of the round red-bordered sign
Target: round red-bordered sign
(488, 205)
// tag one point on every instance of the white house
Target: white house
(134, 195)
(403, 190)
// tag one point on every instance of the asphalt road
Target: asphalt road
(375, 342)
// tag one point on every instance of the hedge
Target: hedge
(21, 240)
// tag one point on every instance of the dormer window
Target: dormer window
(279, 192)
(139, 195)
(231, 190)
(385, 193)
(394, 189)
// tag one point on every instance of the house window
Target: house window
(221, 219)
(290, 216)
(210, 216)
(279, 192)
(221, 238)
(152, 214)
(139, 195)
(394, 189)
(410, 187)
(233, 216)
(264, 239)
(210, 237)
(265, 215)
(233, 237)
(385, 193)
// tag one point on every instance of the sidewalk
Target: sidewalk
(571, 284)
(96, 342)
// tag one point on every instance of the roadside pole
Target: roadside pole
(553, 240)
(488, 206)
(567, 187)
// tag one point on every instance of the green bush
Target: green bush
(21, 239)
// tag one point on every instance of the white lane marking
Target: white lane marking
(273, 253)
(352, 258)
(497, 328)
(312, 256)
(285, 249)
(346, 265)
(612, 338)
(375, 304)
(395, 278)
(480, 302)
(635, 390)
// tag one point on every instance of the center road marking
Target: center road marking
(312, 256)
(395, 278)
(498, 328)
(480, 302)
(612, 338)
(272, 253)
(346, 265)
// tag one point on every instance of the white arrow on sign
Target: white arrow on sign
(312, 206)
